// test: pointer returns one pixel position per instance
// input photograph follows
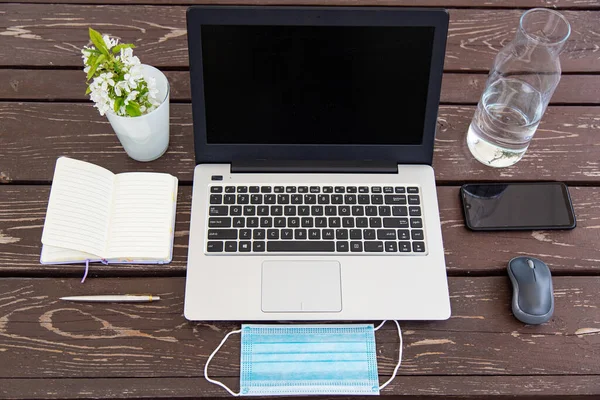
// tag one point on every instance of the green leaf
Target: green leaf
(97, 40)
(118, 47)
(94, 67)
(133, 109)
(88, 90)
(118, 104)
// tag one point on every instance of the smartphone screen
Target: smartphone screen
(517, 206)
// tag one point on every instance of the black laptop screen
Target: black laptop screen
(315, 84)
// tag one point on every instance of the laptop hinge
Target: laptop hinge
(312, 166)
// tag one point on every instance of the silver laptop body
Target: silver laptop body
(314, 196)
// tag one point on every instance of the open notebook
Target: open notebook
(96, 215)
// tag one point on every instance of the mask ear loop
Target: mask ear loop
(399, 353)
(231, 392)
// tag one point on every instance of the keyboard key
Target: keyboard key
(337, 199)
(279, 222)
(404, 247)
(362, 222)
(388, 189)
(356, 247)
(371, 211)
(302, 189)
(384, 211)
(265, 189)
(245, 246)
(344, 210)
(230, 247)
(358, 211)
(314, 234)
(348, 222)
(300, 234)
(214, 247)
(321, 222)
(376, 189)
(273, 234)
(316, 210)
(276, 210)
(303, 210)
(252, 222)
(221, 222)
(414, 211)
(386, 234)
(351, 189)
(262, 210)
(341, 234)
(249, 210)
(229, 199)
(399, 189)
(341, 247)
(290, 189)
(340, 189)
(307, 222)
(417, 234)
(374, 247)
(230, 189)
(369, 234)
(293, 222)
(413, 189)
(418, 247)
(256, 199)
(330, 210)
(328, 189)
(216, 189)
(296, 199)
(266, 222)
(334, 222)
(376, 199)
(328, 234)
(289, 210)
(283, 199)
(356, 234)
(310, 199)
(375, 222)
(416, 223)
(391, 247)
(323, 199)
(254, 189)
(216, 234)
(258, 246)
(245, 233)
(395, 223)
(216, 199)
(235, 210)
(395, 199)
(242, 189)
(399, 211)
(301, 246)
(217, 210)
(287, 234)
(315, 189)
(270, 198)
(414, 199)
(239, 222)
(278, 189)
(364, 199)
(363, 189)
(350, 199)
(258, 234)
(403, 234)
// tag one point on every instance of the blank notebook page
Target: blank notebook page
(142, 218)
(79, 207)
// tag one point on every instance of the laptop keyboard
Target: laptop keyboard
(315, 219)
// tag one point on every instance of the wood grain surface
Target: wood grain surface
(41, 336)
(31, 84)
(53, 35)
(23, 208)
(564, 148)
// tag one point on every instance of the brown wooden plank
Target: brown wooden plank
(456, 88)
(35, 134)
(23, 209)
(405, 387)
(32, 38)
(42, 336)
(556, 4)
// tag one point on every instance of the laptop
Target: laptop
(313, 194)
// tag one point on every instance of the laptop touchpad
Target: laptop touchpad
(301, 286)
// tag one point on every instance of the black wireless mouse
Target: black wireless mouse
(533, 298)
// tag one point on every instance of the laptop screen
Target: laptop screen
(266, 84)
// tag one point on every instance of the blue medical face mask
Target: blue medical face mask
(307, 359)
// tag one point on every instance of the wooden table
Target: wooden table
(50, 349)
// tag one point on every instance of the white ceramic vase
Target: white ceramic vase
(146, 138)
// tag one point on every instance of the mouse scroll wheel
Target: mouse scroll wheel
(530, 263)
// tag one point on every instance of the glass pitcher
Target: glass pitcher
(519, 87)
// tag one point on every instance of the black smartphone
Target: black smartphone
(517, 206)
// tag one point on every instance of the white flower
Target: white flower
(121, 86)
(110, 43)
(131, 96)
(134, 76)
(127, 58)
